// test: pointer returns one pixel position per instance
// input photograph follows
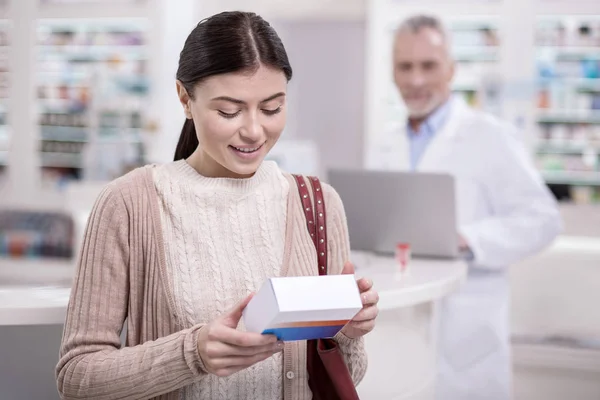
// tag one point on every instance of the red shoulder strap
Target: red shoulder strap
(315, 216)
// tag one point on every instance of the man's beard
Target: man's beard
(426, 110)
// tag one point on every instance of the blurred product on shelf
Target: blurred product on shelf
(490, 37)
(585, 194)
(64, 120)
(568, 31)
(471, 33)
(36, 234)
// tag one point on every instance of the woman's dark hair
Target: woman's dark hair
(226, 42)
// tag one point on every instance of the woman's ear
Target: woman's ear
(184, 99)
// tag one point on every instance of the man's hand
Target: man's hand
(462, 243)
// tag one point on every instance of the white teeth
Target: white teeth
(246, 150)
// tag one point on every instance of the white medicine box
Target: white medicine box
(303, 308)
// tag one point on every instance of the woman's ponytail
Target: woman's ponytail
(188, 141)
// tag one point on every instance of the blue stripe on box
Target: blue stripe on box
(304, 333)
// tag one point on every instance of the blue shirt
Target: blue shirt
(421, 139)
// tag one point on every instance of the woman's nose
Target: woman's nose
(252, 130)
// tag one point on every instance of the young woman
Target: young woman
(174, 251)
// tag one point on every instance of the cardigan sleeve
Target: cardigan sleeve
(92, 364)
(338, 254)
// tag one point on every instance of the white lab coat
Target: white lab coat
(506, 213)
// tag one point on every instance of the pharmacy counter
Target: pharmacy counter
(40, 305)
(34, 292)
(426, 280)
(45, 300)
(33, 300)
(402, 348)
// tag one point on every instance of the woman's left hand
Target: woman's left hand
(364, 321)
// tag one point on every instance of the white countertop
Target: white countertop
(426, 279)
(33, 305)
(40, 304)
(34, 291)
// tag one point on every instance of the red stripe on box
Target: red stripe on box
(306, 324)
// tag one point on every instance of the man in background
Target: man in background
(504, 210)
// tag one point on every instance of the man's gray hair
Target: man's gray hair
(418, 22)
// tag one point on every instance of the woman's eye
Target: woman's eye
(229, 115)
(272, 112)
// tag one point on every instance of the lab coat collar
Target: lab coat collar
(440, 144)
(394, 147)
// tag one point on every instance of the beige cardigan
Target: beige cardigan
(122, 277)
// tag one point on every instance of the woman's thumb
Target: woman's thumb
(348, 268)
(233, 316)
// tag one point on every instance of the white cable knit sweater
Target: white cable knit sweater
(224, 238)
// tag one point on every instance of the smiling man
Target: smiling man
(504, 211)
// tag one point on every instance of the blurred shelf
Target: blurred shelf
(74, 139)
(83, 10)
(63, 131)
(568, 116)
(84, 75)
(473, 24)
(465, 87)
(80, 134)
(89, 48)
(120, 140)
(60, 106)
(571, 53)
(565, 149)
(53, 102)
(94, 52)
(476, 53)
(586, 84)
(125, 139)
(71, 75)
(572, 178)
(560, 17)
(581, 84)
(60, 160)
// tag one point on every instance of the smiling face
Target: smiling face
(238, 119)
(423, 70)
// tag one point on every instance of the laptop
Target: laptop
(385, 208)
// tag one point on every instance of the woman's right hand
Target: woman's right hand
(224, 350)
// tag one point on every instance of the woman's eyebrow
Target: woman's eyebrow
(275, 96)
(238, 101)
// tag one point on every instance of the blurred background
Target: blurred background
(87, 93)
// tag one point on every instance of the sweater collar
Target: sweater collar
(230, 185)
